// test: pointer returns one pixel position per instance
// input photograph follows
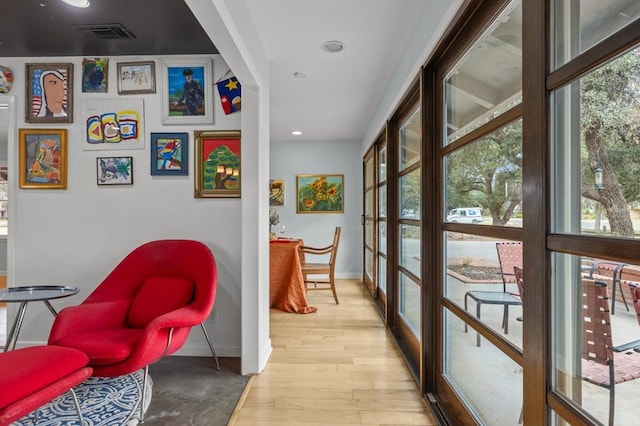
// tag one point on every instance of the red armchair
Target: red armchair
(143, 310)
(31, 377)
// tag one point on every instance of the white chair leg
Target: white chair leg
(77, 404)
(213, 351)
(143, 393)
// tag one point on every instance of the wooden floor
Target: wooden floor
(337, 366)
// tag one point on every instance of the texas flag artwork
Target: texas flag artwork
(229, 90)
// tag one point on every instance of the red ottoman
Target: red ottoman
(31, 377)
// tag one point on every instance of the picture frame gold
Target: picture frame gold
(49, 93)
(42, 158)
(320, 193)
(218, 164)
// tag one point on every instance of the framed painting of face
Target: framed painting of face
(49, 93)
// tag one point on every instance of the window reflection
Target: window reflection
(488, 80)
(409, 136)
(410, 248)
(473, 266)
(584, 293)
(597, 164)
(485, 177)
(410, 191)
(409, 304)
(490, 381)
(589, 21)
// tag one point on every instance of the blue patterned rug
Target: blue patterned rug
(105, 401)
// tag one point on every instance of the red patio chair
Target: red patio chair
(603, 364)
(509, 256)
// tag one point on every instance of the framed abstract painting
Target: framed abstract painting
(170, 154)
(114, 170)
(218, 165)
(42, 158)
(95, 75)
(320, 193)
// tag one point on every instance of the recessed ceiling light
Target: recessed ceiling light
(298, 74)
(296, 133)
(332, 46)
(77, 3)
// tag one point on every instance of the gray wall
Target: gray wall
(289, 159)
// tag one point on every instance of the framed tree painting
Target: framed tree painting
(320, 193)
(170, 154)
(49, 93)
(218, 165)
(42, 158)
(187, 91)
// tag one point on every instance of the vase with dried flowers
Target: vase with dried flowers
(274, 219)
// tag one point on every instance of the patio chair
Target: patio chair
(609, 271)
(603, 364)
(509, 256)
(327, 269)
(635, 298)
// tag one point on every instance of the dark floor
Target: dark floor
(190, 391)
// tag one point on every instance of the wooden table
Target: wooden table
(287, 289)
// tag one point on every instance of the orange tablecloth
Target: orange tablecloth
(287, 290)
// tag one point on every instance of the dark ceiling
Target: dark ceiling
(140, 27)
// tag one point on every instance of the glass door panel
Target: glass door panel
(369, 221)
(589, 335)
(489, 381)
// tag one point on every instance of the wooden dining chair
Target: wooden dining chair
(310, 269)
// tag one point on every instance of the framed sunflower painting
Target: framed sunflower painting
(320, 193)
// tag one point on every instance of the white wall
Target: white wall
(289, 159)
(76, 236)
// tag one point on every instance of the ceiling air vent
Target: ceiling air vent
(105, 31)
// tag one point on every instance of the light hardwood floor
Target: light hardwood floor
(337, 366)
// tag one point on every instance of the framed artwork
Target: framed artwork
(114, 170)
(136, 77)
(49, 93)
(187, 91)
(217, 163)
(276, 192)
(111, 124)
(170, 154)
(42, 158)
(95, 75)
(320, 193)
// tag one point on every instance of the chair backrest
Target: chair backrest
(163, 260)
(509, 256)
(334, 247)
(635, 298)
(596, 322)
(519, 275)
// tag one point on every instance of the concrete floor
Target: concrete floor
(190, 391)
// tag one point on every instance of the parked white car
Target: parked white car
(465, 215)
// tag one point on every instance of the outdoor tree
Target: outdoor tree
(488, 173)
(610, 123)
